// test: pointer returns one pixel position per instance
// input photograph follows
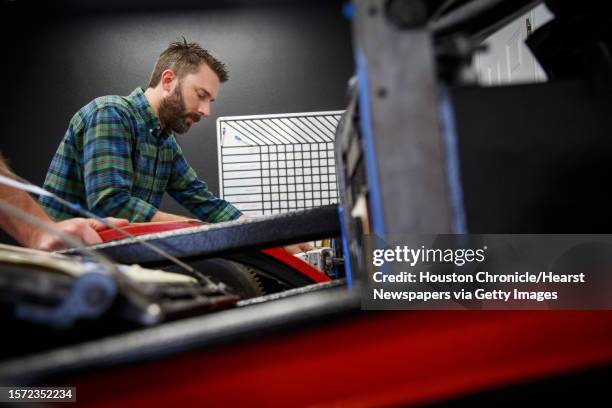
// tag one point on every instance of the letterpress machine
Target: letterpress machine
(420, 149)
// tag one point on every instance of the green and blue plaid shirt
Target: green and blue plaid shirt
(115, 161)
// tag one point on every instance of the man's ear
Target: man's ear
(168, 79)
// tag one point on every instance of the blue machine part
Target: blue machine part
(345, 249)
(369, 150)
(451, 152)
(348, 10)
(91, 295)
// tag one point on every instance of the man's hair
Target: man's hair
(185, 58)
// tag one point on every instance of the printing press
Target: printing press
(420, 148)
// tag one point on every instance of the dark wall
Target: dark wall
(282, 57)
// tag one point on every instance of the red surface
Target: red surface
(374, 359)
(296, 263)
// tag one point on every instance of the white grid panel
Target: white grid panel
(271, 164)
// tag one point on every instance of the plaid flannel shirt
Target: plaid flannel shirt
(115, 161)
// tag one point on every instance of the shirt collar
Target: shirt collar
(140, 102)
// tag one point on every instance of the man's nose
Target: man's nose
(204, 109)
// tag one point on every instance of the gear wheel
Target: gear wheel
(243, 280)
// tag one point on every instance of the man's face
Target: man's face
(190, 100)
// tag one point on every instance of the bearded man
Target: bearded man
(119, 154)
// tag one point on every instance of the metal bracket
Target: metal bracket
(399, 123)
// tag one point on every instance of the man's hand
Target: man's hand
(83, 229)
(161, 216)
(297, 248)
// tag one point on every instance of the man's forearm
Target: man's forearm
(23, 232)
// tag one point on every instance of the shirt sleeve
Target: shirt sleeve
(107, 167)
(185, 187)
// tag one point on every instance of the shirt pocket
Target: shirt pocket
(163, 170)
(144, 159)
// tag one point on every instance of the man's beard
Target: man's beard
(173, 114)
